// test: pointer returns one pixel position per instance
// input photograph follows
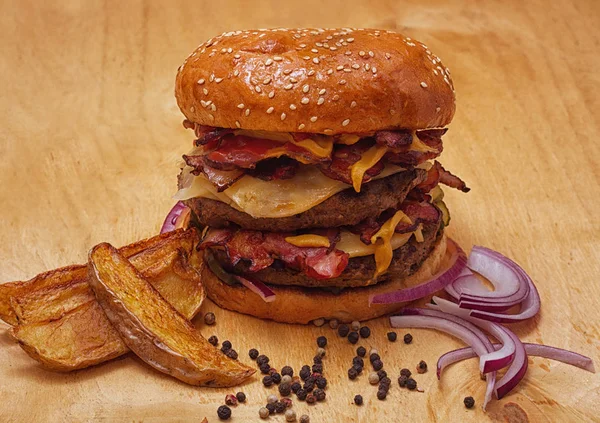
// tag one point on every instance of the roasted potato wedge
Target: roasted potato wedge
(62, 326)
(153, 329)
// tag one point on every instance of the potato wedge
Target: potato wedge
(153, 329)
(62, 326)
(153, 252)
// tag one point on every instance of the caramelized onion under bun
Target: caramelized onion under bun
(326, 81)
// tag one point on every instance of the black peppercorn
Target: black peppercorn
(224, 412)
(352, 373)
(231, 353)
(358, 368)
(213, 340)
(353, 337)
(319, 394)
(392, 336)
(267, 381)
(381, 394)
(287, 370)
(311, 399)
(358, 361)
(295, 387)
(317, 368)
(317, 359)
(385, 381)
(421, 367)
(343, 330)
(276, 377)
(304, 372)
(377, 365)
(365, 332)
(271, 408)
(261, 359)
(321, 382)
(469, 402)
(309, 385)
(358, 399)
(226, 346)
(361, 351)
(374, 357)
(265, 368)
(383, 387)
(209, 318)
(285, 389)
(405, 372)
(241, 397)
(411, 383)
(381, 373)
(280, 407)
(253, 353)
(301, 394)
(321, 341)
(402, 381)
(407, 338)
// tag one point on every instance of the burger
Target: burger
(314, 174)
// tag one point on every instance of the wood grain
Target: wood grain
(91, 137)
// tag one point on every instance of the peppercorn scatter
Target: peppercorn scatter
(209, 318)
(276, 377)
(381, 373)
(271, 399)
(353, 337)
(381, 394)
(267, 381)
(253, 353)
(224, 412)
(343, 330)
(377, 365)
(411, 384)
(392, 336)
(304, 419)
(405, 372)
(262, 359)
(225, 346)
(373, 378)
(358, 361)
(295, 387)
(231, 400)
(287, 402)
(301, 394)
(355, 325)
(280, 407)
(469, 402)
(231, 353)
(305, 372)
(319, 394)
(352, 373)
(321, 382)
(271, 407)
(287, 371)
(333, 323)
(241, 397)
(365, 332)
(264, 368)
(321, 352)
(321, 341)
(408, 338)
(373, 357)
(358, 399)
(290, 416)
(361, 351)
(286, 379)
(421, 367)
(285, 389)
(263, 412)
(402, 381)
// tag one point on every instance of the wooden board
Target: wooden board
(91, 137)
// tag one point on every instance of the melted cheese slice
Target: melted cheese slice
(308, 240)
(382, 240)
(418, 145)
(350, 243)
(272, 199)
(319, 145)
(366, 162)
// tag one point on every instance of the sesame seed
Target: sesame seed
(423, 84)
(200, 81)
(268, 62)
(236, 72)
(388, 56)
(304, 100)
(367, 66)
(328, 131)
(247, 112)
(336, 97)
(313, 119)
(305, 88)
(283, 115)
(315, 60)
(361, 53)
(311, 72)
(437, 109)
(353, 104)
(292, 106)
(319, 44)
(333, 48)
(205, 91)
(346, 122)
(223, 50)
(303, 45)
(371, 54)
(257, 89)
(272, 94)
(270, 110)
(217, 80)
(192, 109)
(347, 70)
(392, 112)
(350, 40)
(320, 101)
(238, 124)
(314, 50)
(289, 86)
(237, 56)
(240, 106)
(212, 78)
(278, 58)
(213, 107)
(355, 66)
(340, 67)
(330, 71)
(293, 80)
(435, 72)
(301, 126)
(348, 53)
(287, 71)
(374, 69)
(306, 57)
(229, 50)
(267, 80)
(322, 91)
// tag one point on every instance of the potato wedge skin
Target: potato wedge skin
(60, 324)
(153, 329)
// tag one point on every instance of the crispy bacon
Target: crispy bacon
(430, 137)
(453, 181)
(221, 179)
(394, 139)
(344, 156)
(438, 174)
(272, 169)
(261, 249)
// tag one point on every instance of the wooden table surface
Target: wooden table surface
(91, 137)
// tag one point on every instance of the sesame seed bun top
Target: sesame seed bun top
(315, 80)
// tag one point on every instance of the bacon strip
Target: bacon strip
(453, 181)
(438, 174)
(261, 249)
(394, 139)
(344, 156)
(221, 179)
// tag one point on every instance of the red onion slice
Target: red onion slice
(535, 350)
(178, 217)
(258, 288)
(455, 266)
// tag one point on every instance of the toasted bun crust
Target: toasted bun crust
(315, 80)
(302, 305)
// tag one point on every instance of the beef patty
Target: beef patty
(359, 272)
(344, 208)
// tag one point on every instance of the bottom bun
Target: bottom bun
(302, 305)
